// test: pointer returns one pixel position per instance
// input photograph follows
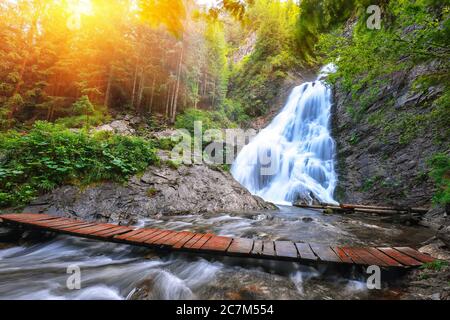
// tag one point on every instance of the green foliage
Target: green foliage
(437, 265)
(209, 120)
(256, 80)
(50, 155)
(440, 173)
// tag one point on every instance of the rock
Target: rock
(121, 127)
(437, 250)
(378, 167)
(307, 219)
(444, 235)
(161, 190)
(436, 219)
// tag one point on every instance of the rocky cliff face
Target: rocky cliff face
(161, 190)
(383, 153)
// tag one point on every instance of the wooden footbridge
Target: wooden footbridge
(197, 243)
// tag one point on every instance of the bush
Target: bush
(50, 155)
(440, 172)
(210, 120)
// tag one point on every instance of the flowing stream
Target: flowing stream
(293, 158)
(38, 269)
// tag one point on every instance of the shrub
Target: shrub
(50, 155)
(440, 173)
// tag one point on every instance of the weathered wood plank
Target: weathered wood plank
(241, 246)
(269, 249)
(193, 240)
(146, 235)
(175, 239)
(369, 258)
(180, 244)
(94, 229)
(305, 252)
(354, 256)
(113, 232)
(202, 241)
(217, 244)
(27, 216)
(385, 258)
(166, 238)
(129, 234)
(286, 249)
(400, 257)
(78, 227)
(415, 254)
(258, 247)
(342, 255)
(158, 236)
(70, 226)
(325, 253)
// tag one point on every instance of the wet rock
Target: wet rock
(437, 218)
(307, 219)
(436, 249)
(121, 127)
(161, 190)
(428, 284)
(444, 235)
(376, 167)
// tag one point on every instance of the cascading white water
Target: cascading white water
(300, 148)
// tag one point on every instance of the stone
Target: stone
(160, 190)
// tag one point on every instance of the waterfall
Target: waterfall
(293, 158)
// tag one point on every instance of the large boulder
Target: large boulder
(161, 190)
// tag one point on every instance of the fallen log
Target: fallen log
(350, 208)
(395, 208)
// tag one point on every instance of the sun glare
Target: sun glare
(81, 7)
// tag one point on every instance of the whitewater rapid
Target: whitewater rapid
(294, 157)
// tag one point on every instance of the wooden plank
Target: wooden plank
(202, 241)
(269, 249)
(68, 226)
(325, 253)
(193, 240)
(217, 244)
(175, 239)
(257, 247)
(354, 256)
(157, 236)
(113, 232)
(400, 257)
(180, 244)
(342, 255)
(145, 235)
(57, 223)
(415, 254)
(166, 238)
(369, 258)
(286, 249)
(129, 234)
(94, 229)
(72, 229)
(385, 258)
(241, 246)
(27, 216)
(305, 252)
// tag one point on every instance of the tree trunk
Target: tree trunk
(177, 90)
(108, 86)
(152, 95)
(133, 94)
(141, 91)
